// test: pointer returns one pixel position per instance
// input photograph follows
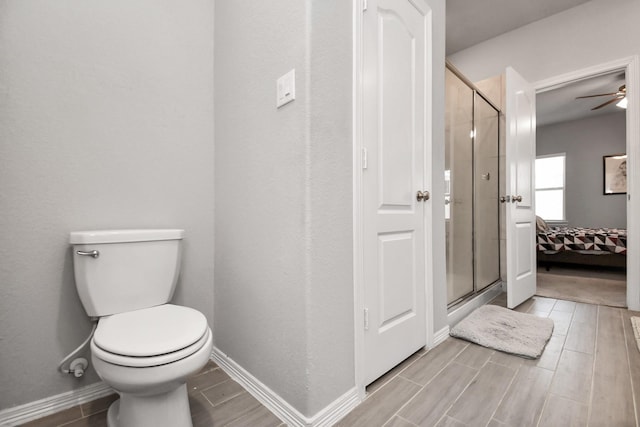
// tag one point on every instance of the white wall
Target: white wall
(106, 121)
(284, 261)
(585, 142)
(593, 33)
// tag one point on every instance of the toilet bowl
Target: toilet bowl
(147, 355)
(143, 347)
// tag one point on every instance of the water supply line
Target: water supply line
(79, 365)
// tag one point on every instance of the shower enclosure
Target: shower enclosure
(471, 190)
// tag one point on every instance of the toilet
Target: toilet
(143, 347)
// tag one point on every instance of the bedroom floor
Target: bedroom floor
(588, 285)
(589, 374)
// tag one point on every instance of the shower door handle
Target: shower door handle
(422, 196)
(512, 199)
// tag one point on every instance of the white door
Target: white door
(520, 212)
(396, 102)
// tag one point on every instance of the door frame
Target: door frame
(631, 66)
(359, 7)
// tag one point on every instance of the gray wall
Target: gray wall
(437, 172)
(106, 121)
(284, 234)
(568, 41)
(585, 142)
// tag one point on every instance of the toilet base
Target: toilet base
(169, 409)
(112, 414)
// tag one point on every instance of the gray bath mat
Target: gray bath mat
(502, 329)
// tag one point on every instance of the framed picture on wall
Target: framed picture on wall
(615, 174)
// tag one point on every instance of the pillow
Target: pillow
(541, 225)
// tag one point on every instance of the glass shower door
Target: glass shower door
(459, 187)
(486, 203)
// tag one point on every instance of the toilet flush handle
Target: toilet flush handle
(92, 254)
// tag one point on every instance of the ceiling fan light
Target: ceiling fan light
(622, 103)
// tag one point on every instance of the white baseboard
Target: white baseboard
(281, 408)
(50, 405)
(440, 336)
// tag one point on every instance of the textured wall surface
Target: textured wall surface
(284, 275)
(330, 203)
(106, 121)
(585, 142)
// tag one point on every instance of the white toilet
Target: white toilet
(143, 347)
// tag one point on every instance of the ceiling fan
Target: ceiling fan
(617, 96)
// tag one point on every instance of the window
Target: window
(550, 187)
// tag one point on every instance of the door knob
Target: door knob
(515, 199)
(422, 196)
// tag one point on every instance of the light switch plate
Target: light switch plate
(286, 88)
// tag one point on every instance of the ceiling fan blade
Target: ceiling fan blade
(601, 94)
(611, 101)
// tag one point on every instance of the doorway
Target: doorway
(582, 227)
(629, 67)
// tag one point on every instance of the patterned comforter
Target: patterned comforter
(612, 240)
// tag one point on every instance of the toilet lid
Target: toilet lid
(151, 331)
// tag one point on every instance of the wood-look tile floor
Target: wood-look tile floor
(215, 400)
(588, 375)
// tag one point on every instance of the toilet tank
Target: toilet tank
(125, 270)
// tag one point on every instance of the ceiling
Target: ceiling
(470, 22)
(561, 105)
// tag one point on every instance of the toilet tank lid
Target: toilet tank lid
(124, 236)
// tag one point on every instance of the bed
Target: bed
(602, 247)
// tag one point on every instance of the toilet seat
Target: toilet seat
(151, 336)
(147, 362)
